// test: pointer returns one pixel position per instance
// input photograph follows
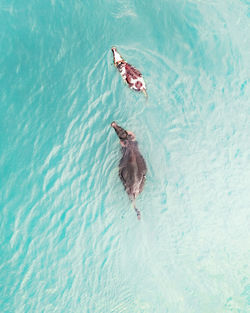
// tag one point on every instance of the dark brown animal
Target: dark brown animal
(132, 166)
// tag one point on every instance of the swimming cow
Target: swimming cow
(130, 74)
(132, 166)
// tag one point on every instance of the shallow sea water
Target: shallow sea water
(70, 240)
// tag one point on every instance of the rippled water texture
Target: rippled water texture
(70, 240)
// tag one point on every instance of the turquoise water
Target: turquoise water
(70, 240)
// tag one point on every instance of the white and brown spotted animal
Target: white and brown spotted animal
(130, 74)
(132, 166)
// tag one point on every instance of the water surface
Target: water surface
(70, 240)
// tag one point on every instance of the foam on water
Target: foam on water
(70, 240)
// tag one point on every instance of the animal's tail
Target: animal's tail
(138, 213)
(145, 93)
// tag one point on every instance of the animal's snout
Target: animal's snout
(113, 124)
(114, 51)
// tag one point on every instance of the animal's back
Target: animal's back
(132, 170)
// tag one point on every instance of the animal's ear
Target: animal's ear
(131, 136)
(124, 143)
